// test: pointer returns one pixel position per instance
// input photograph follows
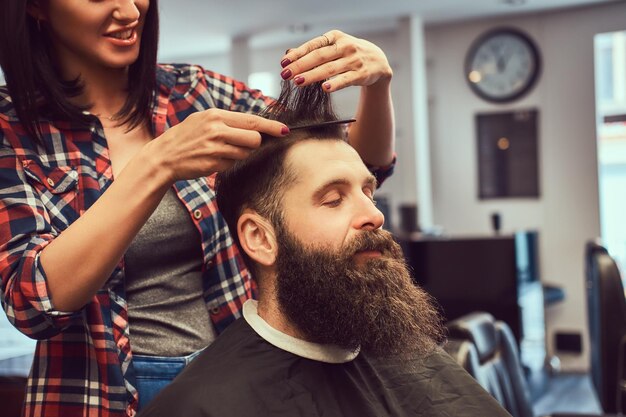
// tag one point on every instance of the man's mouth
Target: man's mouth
(365, 255)
(370, 245)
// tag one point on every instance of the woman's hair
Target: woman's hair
(35, 85)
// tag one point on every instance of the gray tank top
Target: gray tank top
(166, 312)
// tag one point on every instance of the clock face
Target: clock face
(502, 65)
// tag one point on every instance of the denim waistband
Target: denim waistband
(162, 366)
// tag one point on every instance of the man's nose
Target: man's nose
(368, 216)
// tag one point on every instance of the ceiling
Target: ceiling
(203, 27)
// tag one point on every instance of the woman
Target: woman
(113, 254)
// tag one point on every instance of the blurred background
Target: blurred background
(575, 103)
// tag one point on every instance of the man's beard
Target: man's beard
(375, 305)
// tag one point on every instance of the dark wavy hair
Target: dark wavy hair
(258, 181)
(34, 83)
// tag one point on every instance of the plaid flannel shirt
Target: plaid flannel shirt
(83, 360)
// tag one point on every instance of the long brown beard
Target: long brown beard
(374, 306)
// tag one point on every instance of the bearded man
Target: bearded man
(339, 328)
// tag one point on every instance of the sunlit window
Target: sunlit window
(267, 82)
(610, 62)
(605, 79)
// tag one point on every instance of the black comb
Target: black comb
(322, 124)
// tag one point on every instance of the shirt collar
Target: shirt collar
(299, 347)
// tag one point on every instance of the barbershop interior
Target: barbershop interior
(508, 191)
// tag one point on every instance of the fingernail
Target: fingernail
(285, 74)
(284, 131)
(298, 80)
(287, 51)
(285, 62)
(326, 86)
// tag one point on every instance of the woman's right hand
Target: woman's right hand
(210, 141)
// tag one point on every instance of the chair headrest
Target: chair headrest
(478, 327)
(464, 353)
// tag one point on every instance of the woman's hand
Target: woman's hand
(210, 141)
(339, 58)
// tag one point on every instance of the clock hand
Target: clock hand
(504, 58)
(501, 63)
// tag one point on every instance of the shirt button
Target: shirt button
(214, 310)
(197, 214)
(50, 182)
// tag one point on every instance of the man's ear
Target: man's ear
(257, 237)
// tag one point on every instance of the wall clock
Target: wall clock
(502, 65)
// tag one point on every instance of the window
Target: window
(267, 82)
(610, 61)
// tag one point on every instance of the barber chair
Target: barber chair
(606, 310)
(497, 366)
(464, 353)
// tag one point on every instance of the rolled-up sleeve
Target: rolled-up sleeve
(25, 229)
(382, 173)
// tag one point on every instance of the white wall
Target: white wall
(566, 214)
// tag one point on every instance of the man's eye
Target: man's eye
(333, 203)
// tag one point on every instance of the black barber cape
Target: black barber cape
(242, 375)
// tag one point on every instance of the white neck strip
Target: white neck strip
(308, 350)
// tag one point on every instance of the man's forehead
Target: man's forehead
(314, 161)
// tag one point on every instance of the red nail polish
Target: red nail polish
(298, 80)
(327, 86)
(284, 131)
(285, 62)
(286, 74)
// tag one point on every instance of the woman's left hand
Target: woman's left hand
(340, 59)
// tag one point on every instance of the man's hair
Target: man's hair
(259, 181)
(35, 85)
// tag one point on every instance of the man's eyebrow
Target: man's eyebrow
(372, 181)
(323, 189)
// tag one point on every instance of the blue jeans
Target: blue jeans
(153, 373)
